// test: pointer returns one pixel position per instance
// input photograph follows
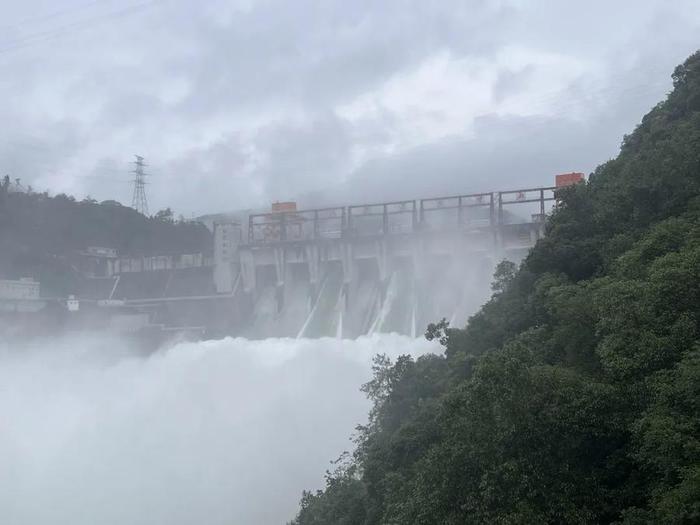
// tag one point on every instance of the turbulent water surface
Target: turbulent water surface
(216, 432)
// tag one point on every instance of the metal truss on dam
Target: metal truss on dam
(496, 225)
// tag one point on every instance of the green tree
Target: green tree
(165, 215)
(503, 276)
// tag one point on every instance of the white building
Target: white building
(24, 288)
(101, 251)
(72, 304)
(158, 262)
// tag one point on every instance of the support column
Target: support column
(497, 222)
(313, 261)
(279, 265)
(348, 263)
(383, 259)
(418, 256)
(280, 269)
(247, 270)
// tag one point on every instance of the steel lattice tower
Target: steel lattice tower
(139, 202)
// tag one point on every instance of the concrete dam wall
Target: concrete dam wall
(387, 267)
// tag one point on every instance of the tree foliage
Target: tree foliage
(573, 395)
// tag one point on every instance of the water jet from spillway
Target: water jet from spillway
(215, 432)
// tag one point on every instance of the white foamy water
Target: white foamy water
(218, 432)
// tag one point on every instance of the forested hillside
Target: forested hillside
(573, 396)
(38, 231)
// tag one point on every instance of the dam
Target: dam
(343, 271)
(381, 267)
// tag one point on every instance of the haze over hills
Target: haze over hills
(39, 232)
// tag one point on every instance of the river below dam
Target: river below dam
(217, 432)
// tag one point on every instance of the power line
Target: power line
(50, 34)
(53, 14)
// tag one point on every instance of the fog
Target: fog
(227, 431)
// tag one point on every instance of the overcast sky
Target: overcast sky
(235, 104)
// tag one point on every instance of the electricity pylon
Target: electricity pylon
(139, 201)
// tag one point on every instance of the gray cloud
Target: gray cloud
(235, 104)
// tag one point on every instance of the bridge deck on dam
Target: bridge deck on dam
(480, 212)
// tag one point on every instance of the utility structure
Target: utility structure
(139, 201)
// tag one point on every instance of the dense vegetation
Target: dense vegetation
(38, 234)
(573, 396)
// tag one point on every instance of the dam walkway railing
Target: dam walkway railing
(471, 211)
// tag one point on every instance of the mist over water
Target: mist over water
(214, 432)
